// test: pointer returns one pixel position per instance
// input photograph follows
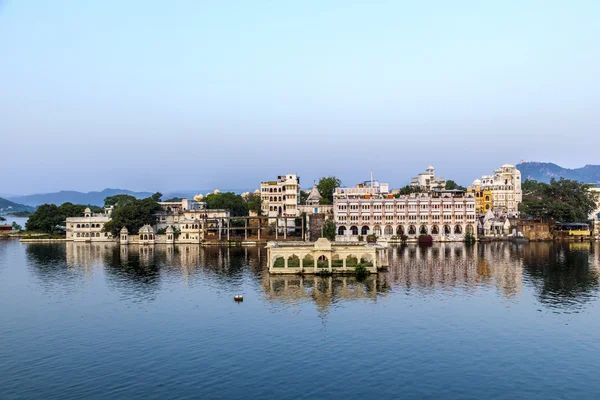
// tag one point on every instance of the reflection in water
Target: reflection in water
(449, 265)
(563, 275)
(324, 291)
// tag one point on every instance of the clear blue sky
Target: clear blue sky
(159, 95)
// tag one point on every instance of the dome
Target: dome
(87, 210)
(124, 229)
(257, 191)
(199, 197)
(245, 195)
(430, 167)
(476, 182)
(217, 191)
(146, 229)
(169, 229)
(314, 197)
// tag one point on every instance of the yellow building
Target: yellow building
(484, 200)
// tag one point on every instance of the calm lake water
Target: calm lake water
(498, 320)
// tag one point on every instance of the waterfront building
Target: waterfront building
(280, 198)
(191, 219)
(323, 255)
(492, 226)
(89, 227)
(503, 188)
(445, 215)
(428, 181)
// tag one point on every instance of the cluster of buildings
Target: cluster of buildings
(366, 209)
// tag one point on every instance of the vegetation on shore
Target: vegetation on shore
(131, 213)
(562, 200)
(47, 218)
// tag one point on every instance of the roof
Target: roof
(314, 194)
(146, 229)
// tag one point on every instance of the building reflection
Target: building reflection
(564, 275)
(560, 275)
(448, 265)
(291, 290)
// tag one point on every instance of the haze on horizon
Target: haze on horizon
(149, 95)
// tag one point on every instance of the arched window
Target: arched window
(458, 229)
(400, 230)
(389, 231)
(342, 230)
(78, 234)
(79, 226)
(435, 230)
(423, 230)
(412, 230)
(447, 229)
(470, 229)
(354, 230)
(364, 230)
(377, 230)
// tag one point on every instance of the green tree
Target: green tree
(174, 200)
(16, 226)
(118, 199)
(303, 196)
(451, 185)
(561, 200)
(48, 216)
(229, 201)
(2, 219)
(254, 203)
(329, 230)
(326, 187)
(408, 189)
(133, 215)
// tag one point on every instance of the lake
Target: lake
(496, 320)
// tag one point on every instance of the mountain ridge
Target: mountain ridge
(544, 171)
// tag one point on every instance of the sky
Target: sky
(189, 94)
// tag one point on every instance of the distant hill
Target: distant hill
(543, 172)
(7, 206)
(92, 198)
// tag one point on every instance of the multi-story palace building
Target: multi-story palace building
(500, 192)
(192, 219)
(89, 227)
(280, 198)
(445, 215)
(428, 180)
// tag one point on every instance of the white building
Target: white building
(89, 227)
(428, 180)
(446, 216)
(280, 198)
(192, 219)
(365, 189)
(505, 188)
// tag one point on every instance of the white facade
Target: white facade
(89, 227)
(192, 219)
(505, 186)
(444, 216)
(428, 180)
(366, 189)
(280, 198)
